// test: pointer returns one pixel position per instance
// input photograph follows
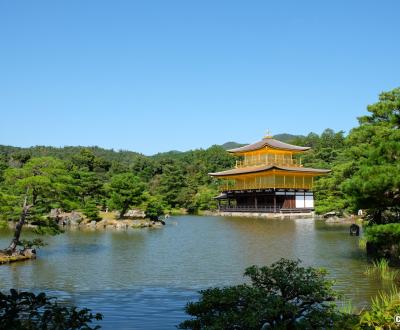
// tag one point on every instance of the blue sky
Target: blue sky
(153, 76)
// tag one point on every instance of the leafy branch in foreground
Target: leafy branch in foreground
(281, 296)
(25, 310)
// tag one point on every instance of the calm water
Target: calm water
(142, 279)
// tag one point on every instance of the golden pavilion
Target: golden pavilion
(268, 177)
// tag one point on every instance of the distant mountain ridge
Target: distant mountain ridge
(124, 156)
(232, 145)
(284, 137)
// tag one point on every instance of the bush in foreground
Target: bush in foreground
(25, 310)
(287, 296)
(281, 296)
(383, 241)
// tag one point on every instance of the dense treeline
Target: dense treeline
(89, 179)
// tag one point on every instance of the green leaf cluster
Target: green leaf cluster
(26, 310)
(281, 296)
(388, 233)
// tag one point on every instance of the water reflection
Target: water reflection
(143, 275)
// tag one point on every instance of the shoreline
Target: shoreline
(312, 215)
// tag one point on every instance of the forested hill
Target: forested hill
(114, 155)
(285, 137)
(67, 152)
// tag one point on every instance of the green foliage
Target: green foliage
(3, 224)
(47, 181)
(374, 147)
(25, 310)
(178, 178)
(388, 234)
(9, 206)
(170, 185)
(91, 211)
(126, 190)
(204, 198)
(382, 311)
(90, 185)
(154, 208)
(287, 296)
(3, 166)
(87, 160)
(46, 226)
(380, 268)
(33, 244)
(362, 243)
(282, 296)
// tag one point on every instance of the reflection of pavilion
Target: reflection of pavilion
(267, 179)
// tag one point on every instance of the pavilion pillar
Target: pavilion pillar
(274, 201)
(255, 202)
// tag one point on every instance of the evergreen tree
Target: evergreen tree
(126, 190)
(374, 148)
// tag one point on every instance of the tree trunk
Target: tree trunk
(123, 211)
(18, 228)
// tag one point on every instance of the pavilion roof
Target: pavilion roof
(257, 169)
(268, 142)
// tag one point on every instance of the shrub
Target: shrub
(91, 211)
(380, 268)
(283, 295)
(154, 208)
(387, 234)
(382, 311)
(25, 310)
(34, 244)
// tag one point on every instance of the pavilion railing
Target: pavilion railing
(262, 209)
(267, 162)
(258, 186)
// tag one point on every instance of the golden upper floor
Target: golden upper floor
(268, 151)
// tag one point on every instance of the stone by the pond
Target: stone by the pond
(30, 253)
(54, 213)
(113, 224)
(332, 214)
(135, 214)
(65, 218)
(121, 225)
(74, 218)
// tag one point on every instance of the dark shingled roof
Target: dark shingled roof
(268, 142)
(256, 169)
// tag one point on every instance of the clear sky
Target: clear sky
(153, 76)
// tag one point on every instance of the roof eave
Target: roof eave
(264, 169)
(233, 151)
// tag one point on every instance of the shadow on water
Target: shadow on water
(143, 278)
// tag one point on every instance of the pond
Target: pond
(142, 279)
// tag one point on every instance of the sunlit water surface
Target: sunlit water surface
(142, 279)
